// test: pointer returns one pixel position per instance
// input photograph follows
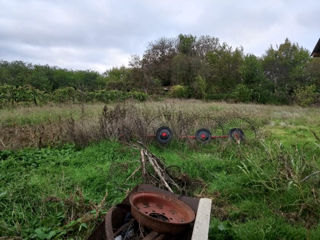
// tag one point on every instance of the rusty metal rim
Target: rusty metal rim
(163, 198)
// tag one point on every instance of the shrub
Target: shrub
(242, 93)
(263, 93)
(23, 94)
(64, 95)
(28, 95)
(6, 94)
(108, 96)
(115, 95)
(305, 96)
(217, 96)
(199, 87)
(140, 96)
(117, 85)
(179, 91)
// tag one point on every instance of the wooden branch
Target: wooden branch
(143, 164)
(134, 172)
(2, 143)
(164, 173)
(150, 153)
(173, 182)
(157, 165)
(159, 173)
(315, 135)
(309, 176)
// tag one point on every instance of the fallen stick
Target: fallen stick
(157, 170)
(134, 172)
(150, 153)
(164, 174)
(309, 176)
(143, 164)
(315, 135)
(2, 143)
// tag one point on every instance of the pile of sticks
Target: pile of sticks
(154, 171)
(160, 175)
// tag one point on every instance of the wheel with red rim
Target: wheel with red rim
(164, 135)
(203, 135)
(236, 134)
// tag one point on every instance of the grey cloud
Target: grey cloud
(103, 33)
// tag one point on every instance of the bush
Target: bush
(115, 95)
(64, 95)
(108, 96)
(305, 96)
(242, 93)
(117, 85)
(263, 93)
(28, 95)
(23, 94)
(179, 91)
(199, 87)
(217, 96)
(6, 92)
(140, 96)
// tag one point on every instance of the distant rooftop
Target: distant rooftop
(316, 50)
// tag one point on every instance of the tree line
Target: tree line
(190, 67)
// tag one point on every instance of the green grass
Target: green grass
(256, 188)
(29, 177)
(252, 211)
(43, 114)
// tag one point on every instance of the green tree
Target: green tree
(306, 95)
(242, 93)
(156, 61)
(204, 45)
(253, 77)
(285, 66)
(40, 78)
(186, 44)
(224, 65)
(179, 91)
(185, 69)
(313, 69)
(117, 78)
(251, 71)
(199, 87)
(62, 78)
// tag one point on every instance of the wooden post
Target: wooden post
(202, 222)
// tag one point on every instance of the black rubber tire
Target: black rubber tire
(199, 137)
(237, 132)
(163, 140)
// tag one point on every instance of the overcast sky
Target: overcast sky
(99, 34)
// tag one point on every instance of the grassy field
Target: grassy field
(262, 189)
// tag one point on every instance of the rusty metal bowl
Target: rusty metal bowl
(160, 212)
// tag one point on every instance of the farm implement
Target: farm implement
(164, 135)
(202, 130)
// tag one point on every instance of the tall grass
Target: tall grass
(126, 121)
